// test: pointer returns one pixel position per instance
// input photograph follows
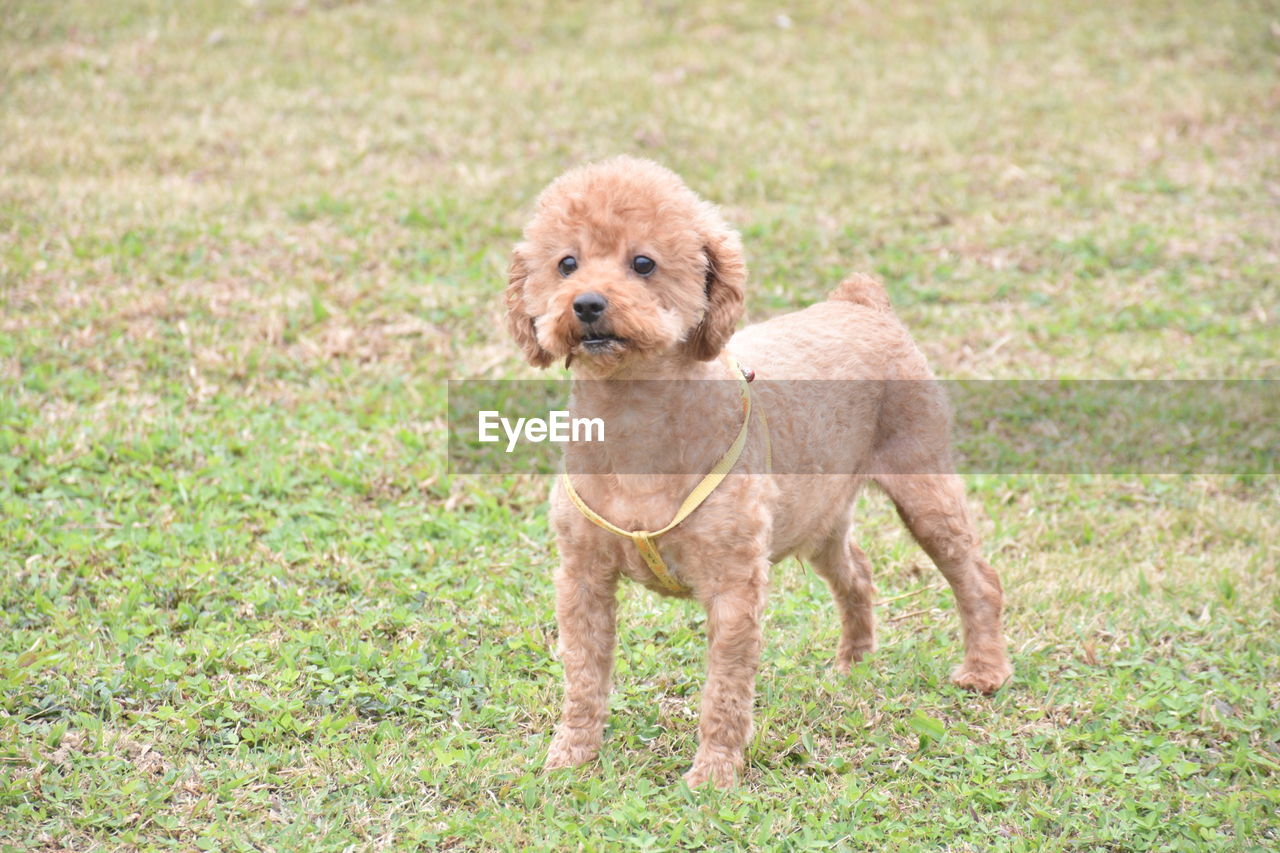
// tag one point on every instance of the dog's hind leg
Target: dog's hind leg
(847, 571)
(933, 508)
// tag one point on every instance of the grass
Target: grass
(242, 245)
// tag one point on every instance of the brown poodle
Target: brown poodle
(626, 274)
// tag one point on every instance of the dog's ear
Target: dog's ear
(726, 277)
(519, 322)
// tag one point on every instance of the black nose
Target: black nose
(589, 306)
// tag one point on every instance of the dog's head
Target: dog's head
(623, 261)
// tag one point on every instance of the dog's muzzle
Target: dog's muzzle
(589, 308)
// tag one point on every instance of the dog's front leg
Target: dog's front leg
(586, 613)
(733, 656)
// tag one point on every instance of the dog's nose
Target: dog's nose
(589, 306)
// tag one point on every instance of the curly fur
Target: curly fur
(672, 325)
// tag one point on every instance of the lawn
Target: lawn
(243, 245)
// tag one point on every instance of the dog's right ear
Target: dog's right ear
(519, 322)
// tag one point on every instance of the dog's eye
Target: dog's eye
(568, 265)
(643, 265)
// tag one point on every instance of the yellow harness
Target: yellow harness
(646, 540)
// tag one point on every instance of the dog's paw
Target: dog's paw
(982, 678)
(568, 751)
(852, 652)
(719, 772)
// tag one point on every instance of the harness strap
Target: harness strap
(646, 540)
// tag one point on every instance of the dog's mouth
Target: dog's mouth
(597, 342)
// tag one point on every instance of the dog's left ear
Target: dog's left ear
(725, 279)
(519, 323)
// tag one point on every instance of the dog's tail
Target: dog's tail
(862, 289)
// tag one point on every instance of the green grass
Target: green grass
(243, 245)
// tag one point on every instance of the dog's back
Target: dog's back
(830, 361)
(852, 335)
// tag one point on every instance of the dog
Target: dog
(626, 274)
